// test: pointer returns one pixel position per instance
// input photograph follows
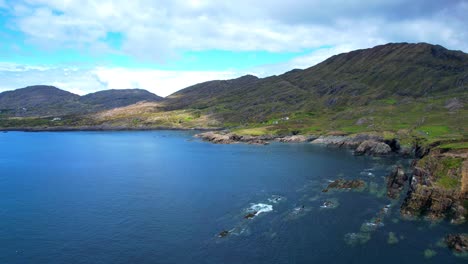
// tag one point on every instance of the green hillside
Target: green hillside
(402, 89)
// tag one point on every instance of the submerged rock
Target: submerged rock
(457, 242)
(429, 253)
(223, 233)
(392, 238)
(330, 204)
(345, 184)
(395, 182)
(250, 215)
(354, 239)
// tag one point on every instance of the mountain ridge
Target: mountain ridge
(391, 87)
(46, 100)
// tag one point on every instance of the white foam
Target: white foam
(261, 208)
(275, 199)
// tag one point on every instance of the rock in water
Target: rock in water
(395, 182)
(457, 242)
(223, 233)
(250, 215)
(345, 184)
(371, 147)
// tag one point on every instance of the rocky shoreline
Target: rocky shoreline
(425, 197)
(232, 138)
(363, 144)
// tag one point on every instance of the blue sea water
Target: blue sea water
(163, 197)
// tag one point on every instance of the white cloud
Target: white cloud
(160, 82)
(83, 81)
(155, 30)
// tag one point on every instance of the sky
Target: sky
(162, 46)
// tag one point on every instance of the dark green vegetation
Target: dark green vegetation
(409, 91)
(41, 100)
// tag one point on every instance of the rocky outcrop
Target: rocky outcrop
(363, 143)
(330, 140)
(230, 138)
(295, 139)
(371, 147)
(457, 242)
(345, 141)
(395, 182)
(345, 184)
(435, 188)
(435, 203)
(453, 104)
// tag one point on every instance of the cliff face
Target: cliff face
(438, 187)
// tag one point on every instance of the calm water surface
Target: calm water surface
(163, 197)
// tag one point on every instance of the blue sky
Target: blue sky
(163, 46)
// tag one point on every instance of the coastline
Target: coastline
(101, 128)
(428, 195)
(416, 188)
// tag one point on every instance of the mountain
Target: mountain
(109, 99)
(42, 100)
(357, 78)
(396, 88)
(37, 100)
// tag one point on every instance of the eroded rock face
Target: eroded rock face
(434, 203)
(457, 242)
(371, 147)
(395, 182)
(430, 195)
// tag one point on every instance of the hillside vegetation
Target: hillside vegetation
(398, 89)
(46, 101)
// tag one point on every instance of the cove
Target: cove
(164, 197)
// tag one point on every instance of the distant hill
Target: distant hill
(42, 100)
(417, 89)
(109, 99)
(38, 100)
